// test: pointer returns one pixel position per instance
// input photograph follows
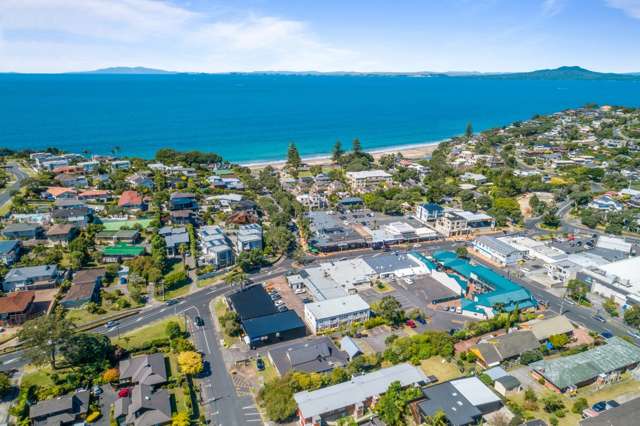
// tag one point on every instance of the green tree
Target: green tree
(579, 405)
(87, 348)
(173, 330)
(438, 418)
(392, 406)
(611, 307)
(43, 336)
(468, 131)
(337, 152)
(632, 316)
(559, 340)
(577, 290)
(356, 146)
(462, 252)
(5, 384)
(293, 157)
(390, 309)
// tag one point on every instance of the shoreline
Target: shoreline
(412, 151)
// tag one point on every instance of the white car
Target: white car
(409, 281)
(300, 291)
(278, 302)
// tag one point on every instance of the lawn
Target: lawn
(210, 281)
(439, 367)
(382, 287)
(37, 376)
(180, 289)
(220, 309)
(142, 335)
(269, 372)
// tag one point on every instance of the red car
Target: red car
(411, 323)
(123, 393)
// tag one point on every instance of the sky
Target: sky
(319, 35)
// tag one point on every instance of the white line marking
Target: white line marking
(9, 361)
(249, 407)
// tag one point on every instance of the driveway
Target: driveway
(106, 400)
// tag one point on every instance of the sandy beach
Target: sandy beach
(413, 152)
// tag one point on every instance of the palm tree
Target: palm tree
(235, 277)
(182, 249)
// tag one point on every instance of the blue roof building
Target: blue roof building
(496, 291)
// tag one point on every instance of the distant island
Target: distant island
(561, 73)
(126, 70)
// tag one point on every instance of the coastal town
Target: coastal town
(491, 278)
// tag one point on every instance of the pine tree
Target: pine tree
(468, 132)
(356, 147)
(337, 152)
(293, 157)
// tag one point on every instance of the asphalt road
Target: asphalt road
(20, 176)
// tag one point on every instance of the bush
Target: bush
(579, 405)
(530, 356)
(552, 404)
(173, 330)
(374, 322)
(111, 375)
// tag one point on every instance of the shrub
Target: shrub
(530, 356)
(111, 375)
(579, 405)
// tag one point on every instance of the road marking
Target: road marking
(253, 420)
(9, 361)
(249, 407)
(139, 319)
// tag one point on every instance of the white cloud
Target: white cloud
(552, 7)
(630, 7)
(63, 35)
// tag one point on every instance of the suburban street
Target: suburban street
(20, 176)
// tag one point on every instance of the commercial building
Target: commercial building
(360, 181)
(487, 291)
(498, 251)
(619, 280)
(428, 212)
(333, 313)
(354, 397)
(457, 222)
(463, 402)
(260, 319)
(601, 364)
(329, 235)
(535, 249)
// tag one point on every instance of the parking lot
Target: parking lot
(289, 298)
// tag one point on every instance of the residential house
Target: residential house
(149, 369)
(63, 411)
(507, 385)
(21, 231)
(182, 217)
(9, 251)
(80, 217)
(121, 251)
(72, 180)
(89, 166)
(495, 350)
(131, 200)
(463, 402)
(311, 356)
(31, 278)
(348, 345)
(353, 397)
(128, 236)
(182, 201)
(85, 288)
(61, 233)
(215, 246)
(605, 203)
(96, 195)
(174, 238)
(120, 165)
(56, 192)
(69, 203)
(17, 307)
(545, 328)
(249, 237)
(145, 406)
(602, 364)
(139, 180)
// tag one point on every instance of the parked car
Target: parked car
(421, 320)
(282, 308)
(172, 302)
(599, 406)
(307, 300)
(411, 323)
(607, 334)
(97, 390)
(199, 321)
(279, 302)
(300, 291)
(276, 296)
(612, 404)
(599, 318)
(260, 364)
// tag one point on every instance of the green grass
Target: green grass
(440, 368)
(39, 377)
(220, 309)
(269, 372)
(182, 289)
(118, 224)
(209, 281)
(142, 335)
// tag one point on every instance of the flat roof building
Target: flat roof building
(335, 312)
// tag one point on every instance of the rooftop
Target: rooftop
(358, 389)
(336, 307)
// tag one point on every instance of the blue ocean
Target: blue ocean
(253, 117)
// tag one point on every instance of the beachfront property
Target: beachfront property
(354, 397)
(333, 313)
(360, 181)
(602, 364)
(497, 251)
